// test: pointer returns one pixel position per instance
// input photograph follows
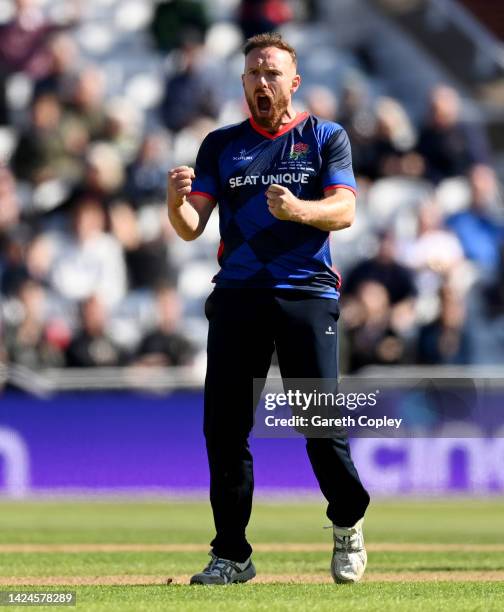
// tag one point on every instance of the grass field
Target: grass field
(423, 555)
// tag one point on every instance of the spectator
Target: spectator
(87, 101)
(166, 344)
(384, 269)
(147, 260)
(192, 92)
(259, 16)
(92, 262)
(176, 20)
(449, 145)
(24, 46)
(25, 258)
(146, 175)
(64, 64)
(480, 234)
(446, 340)
(435, 253)
(355, 114)
(123, 127)
(322, 102)
(51, 146)
(104, 176)
(24, 40)
(391, 150)
(92, 347)
(35, 341)
(368, 319)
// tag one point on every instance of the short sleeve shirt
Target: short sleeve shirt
(236, 165)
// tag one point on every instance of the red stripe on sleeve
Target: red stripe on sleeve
(204, 194)
(329, 187)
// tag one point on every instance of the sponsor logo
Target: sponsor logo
(243, 156)
(289, 178)
(299, 151)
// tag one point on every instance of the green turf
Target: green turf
(468, 521)
(155, 563)
(430, 521)
(377, 597)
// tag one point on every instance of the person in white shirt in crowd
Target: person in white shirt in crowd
(93, 262)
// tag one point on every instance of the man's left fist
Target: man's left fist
(283, 204)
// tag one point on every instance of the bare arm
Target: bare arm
(334, 212)
(188, 214)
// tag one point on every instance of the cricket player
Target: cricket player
(282, 181)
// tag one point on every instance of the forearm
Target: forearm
(330, 214)
(188, 212)
(185, 220)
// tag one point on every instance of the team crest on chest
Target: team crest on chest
(299, 151)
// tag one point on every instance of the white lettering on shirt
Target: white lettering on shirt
(270, 179)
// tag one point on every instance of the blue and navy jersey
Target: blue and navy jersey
(235, 166)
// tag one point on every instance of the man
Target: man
(92, 347)
(448, 144)
(479, 229)
(24, 44)
(276, 288)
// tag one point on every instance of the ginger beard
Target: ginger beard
(265, 109)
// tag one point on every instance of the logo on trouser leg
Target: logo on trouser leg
(330, 331)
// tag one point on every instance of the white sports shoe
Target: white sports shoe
(224, 571)
(349, 555)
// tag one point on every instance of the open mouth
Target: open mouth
(263, 104)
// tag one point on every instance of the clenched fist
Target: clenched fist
(283, 204)
(179, 185)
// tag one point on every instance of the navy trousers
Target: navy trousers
(245, 326)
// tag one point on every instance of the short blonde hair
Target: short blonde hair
(261, 41)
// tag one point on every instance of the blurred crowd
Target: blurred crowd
(91, 274)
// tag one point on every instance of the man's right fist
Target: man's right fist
(180, 184)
